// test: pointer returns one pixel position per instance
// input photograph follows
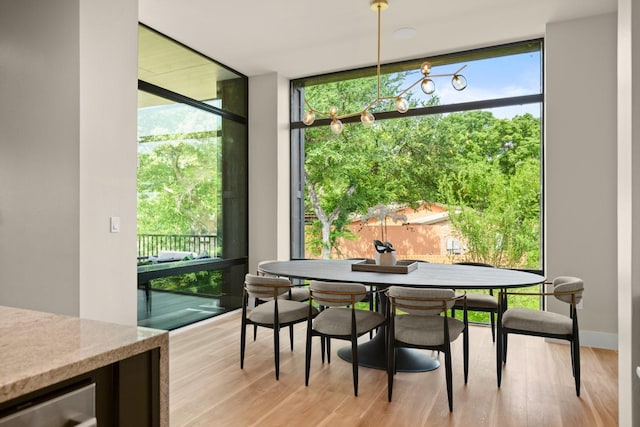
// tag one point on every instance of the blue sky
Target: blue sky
(492, 78)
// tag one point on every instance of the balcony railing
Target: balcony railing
(150, 244)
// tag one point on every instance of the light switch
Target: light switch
(115, 224)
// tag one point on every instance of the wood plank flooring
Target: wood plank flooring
(208, 388)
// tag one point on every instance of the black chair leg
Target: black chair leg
(276, 350)
(449, 375)
(322, 347)
(328, 347)
(307, 356)
(354, 365)
(504, 348)
(243, 337)
(492, 316)
(576, 357)
(255, 331)
(291, 336)
(465, 354)
(499, 356)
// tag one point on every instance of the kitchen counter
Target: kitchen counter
(39, 350)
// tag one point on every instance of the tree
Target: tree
(178, 186)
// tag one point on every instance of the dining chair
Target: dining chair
(274, 313)
(480, 301)
(424, 324)
(295, 293)
(339, 318)
(540, 323)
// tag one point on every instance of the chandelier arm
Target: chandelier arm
(407, 89)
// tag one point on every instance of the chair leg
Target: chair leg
(276, 350)
(354, 365)
(291, 336)
(504, 348)
(323, 347)
(307, 355)
(449, 375)
(390, 369)
(492, 317)
(243, 337)
(499, 355)
(465, 354)
(576, 369)
(328, 347)
(255, 331)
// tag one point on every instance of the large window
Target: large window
(456, 178)
(192, 183)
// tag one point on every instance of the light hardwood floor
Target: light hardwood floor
(208, 388)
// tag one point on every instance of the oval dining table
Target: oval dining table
(425, 275)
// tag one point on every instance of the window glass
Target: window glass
(192, 184)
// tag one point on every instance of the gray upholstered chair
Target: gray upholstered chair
(275, 312)
(481, 301)
(543, 323)
(295, 293)
(425, 325)
(340, 319)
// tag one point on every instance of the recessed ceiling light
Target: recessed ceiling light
(404, 33)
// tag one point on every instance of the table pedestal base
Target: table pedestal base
(371, 355)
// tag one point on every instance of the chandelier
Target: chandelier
(402, 105)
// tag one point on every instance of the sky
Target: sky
(513, 75)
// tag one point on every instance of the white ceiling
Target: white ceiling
(299, 38)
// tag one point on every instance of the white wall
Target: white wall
(269, 171)
(108, 159)
(580, 163)
(67, 159)
(628, 235)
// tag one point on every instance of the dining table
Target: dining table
(417, 274)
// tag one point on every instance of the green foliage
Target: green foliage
(487, 170)
(201, 282)
(179, 186)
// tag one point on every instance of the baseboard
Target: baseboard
(594, 339)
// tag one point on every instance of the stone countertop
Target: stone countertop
(41, 349)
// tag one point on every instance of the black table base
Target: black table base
(371, 355)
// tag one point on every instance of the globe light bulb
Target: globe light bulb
(428, 86)
(308, 118)
(333, 111)
(402, 105)
(459, 82)
(336, 126)
(367, 118)
(425, 67)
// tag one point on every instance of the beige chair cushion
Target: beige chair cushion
(537, 321)
(479, 300)
(288, 311)
(425, 330)
(337, 321)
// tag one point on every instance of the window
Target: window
(192, 183)
(464, 167)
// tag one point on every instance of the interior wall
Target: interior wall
(108, 159)
(67, 114)
(268, 169)
(628, 235)
(39, 118)
(580, 164)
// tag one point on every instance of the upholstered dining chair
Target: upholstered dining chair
(425, 325)
(295, 293)
(480, 301)
(339, 318)
(540, 323)
(275, 312)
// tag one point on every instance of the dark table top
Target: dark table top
(425, 275)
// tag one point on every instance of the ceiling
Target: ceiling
(300, 38)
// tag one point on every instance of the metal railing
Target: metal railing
(150, 244)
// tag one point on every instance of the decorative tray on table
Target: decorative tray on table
(370, 265)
